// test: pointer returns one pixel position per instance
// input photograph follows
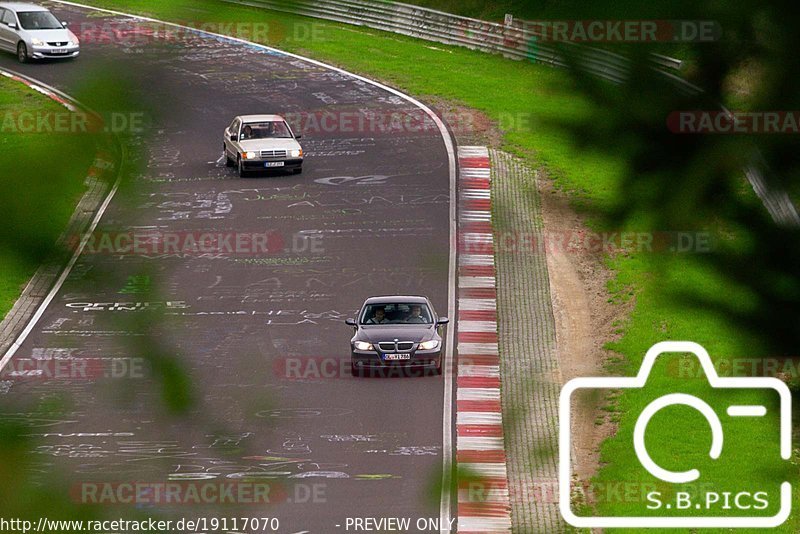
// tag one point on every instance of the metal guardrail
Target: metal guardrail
(518, 41)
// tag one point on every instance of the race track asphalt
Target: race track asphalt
(259, 336)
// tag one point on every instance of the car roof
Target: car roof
(15, 6)
(405, 299)
(260, 118)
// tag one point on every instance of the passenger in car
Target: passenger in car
(379, 317)
(416, 316)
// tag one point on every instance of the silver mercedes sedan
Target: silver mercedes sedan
(262, 142)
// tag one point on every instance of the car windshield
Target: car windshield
(266, 130)
(396, 313)
(38, 20)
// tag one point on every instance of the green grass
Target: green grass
(39, 199)
(547, 99)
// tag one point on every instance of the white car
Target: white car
(32, 32)
(262, 142)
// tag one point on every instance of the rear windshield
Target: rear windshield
(396, 313)
(38, 20)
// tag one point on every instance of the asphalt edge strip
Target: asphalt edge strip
(445, 503)
(48, 279)
(483, 495)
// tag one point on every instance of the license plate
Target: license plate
(396, 357)
(60, 51)
(274, 164)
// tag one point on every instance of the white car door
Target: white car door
(231, 146)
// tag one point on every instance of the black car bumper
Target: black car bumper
(417, 359)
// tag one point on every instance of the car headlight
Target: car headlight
(429, 345)
(74, 39)
(363, 345)
(37, 42)
(250, 155)
(297, 153)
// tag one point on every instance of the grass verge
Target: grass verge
(40, 199)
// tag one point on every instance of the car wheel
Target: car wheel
(355, 371)
(437, 369)
(297, 171)
(228, 161)
(242, 172)
(22, 53)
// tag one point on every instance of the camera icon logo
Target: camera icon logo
(721, 504)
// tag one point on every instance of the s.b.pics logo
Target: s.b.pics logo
(710, 453)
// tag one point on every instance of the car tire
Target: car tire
(228, 161)
(355, 371)
(297, 171)
(242, 172)
(437, 369)
(22, 52)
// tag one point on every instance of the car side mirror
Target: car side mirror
(64, 23)
(298, 136)
(442, 321)
(12, 25)
(350, 322)
(233, 137)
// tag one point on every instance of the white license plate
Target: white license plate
(396, 357)
(274, 164)
(60, 51)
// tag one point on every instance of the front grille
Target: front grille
(65, 43)
(402, 346)
(273, 153)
